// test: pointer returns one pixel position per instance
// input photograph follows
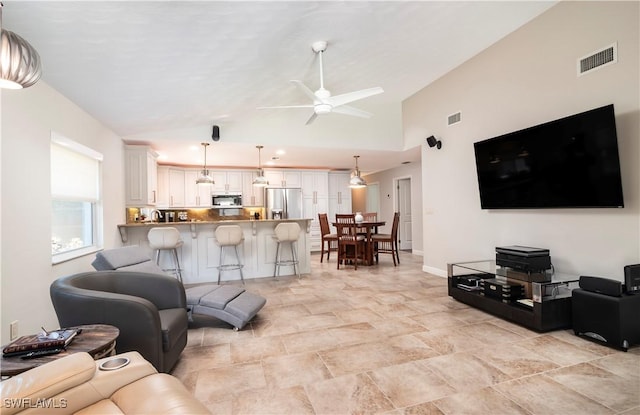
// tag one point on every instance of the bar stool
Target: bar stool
(286, 233)
(166, 239)
(228, 236)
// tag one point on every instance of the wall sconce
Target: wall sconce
(434, 142)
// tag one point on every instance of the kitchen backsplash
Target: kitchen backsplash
(135, 215)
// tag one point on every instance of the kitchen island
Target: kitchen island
(200, 255)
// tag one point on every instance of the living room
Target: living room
(525, 79)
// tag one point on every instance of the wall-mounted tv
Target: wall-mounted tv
(571, 162)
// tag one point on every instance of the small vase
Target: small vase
(359, 217)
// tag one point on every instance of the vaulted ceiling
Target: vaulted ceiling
(164, 72)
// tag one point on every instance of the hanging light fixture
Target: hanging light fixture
(260, 180)
(19, 61)
(356, 180)
(204, 178)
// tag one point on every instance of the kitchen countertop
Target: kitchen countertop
(193, 225)
(205, 222)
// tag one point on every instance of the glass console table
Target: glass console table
(545, 303)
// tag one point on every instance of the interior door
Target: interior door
(404, 207)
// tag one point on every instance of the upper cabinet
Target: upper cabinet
(141, 180)
(339, 194)
(226, 181)
(315, 184)
(283, 178)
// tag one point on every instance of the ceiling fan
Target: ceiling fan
(323, 102)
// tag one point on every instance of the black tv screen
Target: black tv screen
(571, 162)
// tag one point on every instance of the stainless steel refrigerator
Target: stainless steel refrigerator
(283, 203)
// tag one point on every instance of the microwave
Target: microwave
(226, 201)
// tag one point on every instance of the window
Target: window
(76, 199)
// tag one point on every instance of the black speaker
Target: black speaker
(601, 285)
(632, 278)
(216, 133)
(434, 142)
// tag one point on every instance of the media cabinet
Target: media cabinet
(549, 307)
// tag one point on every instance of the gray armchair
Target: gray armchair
(149, 309)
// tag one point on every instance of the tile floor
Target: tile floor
(389, 340)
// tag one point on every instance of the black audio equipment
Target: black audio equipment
(600, 285)
(501, 290)
(632, 278)
(524, 258)
(215, 135)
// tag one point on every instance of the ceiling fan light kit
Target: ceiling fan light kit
(205, 179)
(323, 102)
(19, 61)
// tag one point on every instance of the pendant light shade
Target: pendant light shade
(356, 180)
(260, 180)
(204, 179)
(19, 61)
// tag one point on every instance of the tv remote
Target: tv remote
(39, 353)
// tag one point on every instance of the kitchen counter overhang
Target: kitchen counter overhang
(200, 255)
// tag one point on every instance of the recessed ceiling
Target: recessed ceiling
(164, 73)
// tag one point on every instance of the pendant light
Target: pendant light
(356, 180)
(19, 61)
(260, 180)
(204, 178)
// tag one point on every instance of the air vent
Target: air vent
(598, 59)
(454, 118)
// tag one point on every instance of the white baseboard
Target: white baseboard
(435, 271)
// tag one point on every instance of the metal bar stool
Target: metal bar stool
(229, 236)
(166, 239)
(286, 233)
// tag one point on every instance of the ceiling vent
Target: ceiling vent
(454, 118)
(598, 59)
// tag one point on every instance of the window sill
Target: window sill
(76, 253)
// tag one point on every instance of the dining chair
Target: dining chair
(388, 243)
(348, 236)
(328, 238)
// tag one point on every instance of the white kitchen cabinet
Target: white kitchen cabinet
(283, 178)
(311, 206)
(315, 184)
(176, 187)
(251, 195)
(162, 200)
(195, 195)
(227, 181)
(339, 194)
(141, 178)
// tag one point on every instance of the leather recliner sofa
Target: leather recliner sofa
(75, 384)
(150, 310)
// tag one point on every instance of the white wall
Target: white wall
(388, 196)
(525, 79)
(28, 117)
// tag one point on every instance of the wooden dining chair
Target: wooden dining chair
(388, 243)
(348, 237)
(330, 240)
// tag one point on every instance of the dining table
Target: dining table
(370, 227)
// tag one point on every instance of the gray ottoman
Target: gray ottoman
(226, 302)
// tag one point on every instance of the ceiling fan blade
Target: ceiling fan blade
(305, 89)
(285, 106)
(354, 96)
(311, 119)
(347, 110)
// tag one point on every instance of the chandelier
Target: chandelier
(19, 61)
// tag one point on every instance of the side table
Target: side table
(99, 340)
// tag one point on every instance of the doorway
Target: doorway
(403, 205)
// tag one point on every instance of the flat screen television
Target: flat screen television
(571, 162)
